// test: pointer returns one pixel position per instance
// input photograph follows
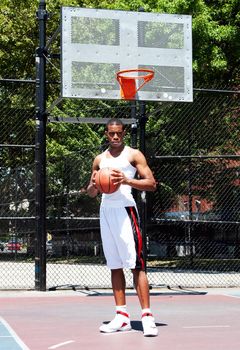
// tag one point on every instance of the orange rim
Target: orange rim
(124, 71)
(128, 87)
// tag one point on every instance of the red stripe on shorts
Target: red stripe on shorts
(138, 241)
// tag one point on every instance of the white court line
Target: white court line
(61, 344)
(232, 296)
(209, 326)
(5, 336)
(14, 335)
(121, 332)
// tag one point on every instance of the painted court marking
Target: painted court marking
(61, 344)
(7, 333)
(208, 326)
(232, 295)
(120, 332)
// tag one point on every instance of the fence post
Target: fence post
(143, 200)
(134, 126)
(40, 152)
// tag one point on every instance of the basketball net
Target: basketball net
(128, 86)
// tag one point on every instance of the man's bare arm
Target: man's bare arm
(92, 189)
(145, 182)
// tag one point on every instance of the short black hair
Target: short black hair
(114, 121)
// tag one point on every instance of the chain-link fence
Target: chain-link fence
(195, 212)
(192, 219)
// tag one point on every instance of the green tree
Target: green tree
(216, 32)
(216, 52)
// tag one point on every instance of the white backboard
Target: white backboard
(96, 44)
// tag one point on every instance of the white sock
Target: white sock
(122, 308)
(117, 319)
(146, 311)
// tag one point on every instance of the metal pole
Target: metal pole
(142, 124)
(143, 202)
(134, 125)
(188, 239)
(134, 137)
(40, 152)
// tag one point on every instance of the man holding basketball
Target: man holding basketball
(119, 223)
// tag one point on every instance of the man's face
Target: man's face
(115, 135)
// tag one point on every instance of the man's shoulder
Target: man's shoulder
(133, 151)
(100, 155)
(98, 158)
(135, 156)
(130, 149)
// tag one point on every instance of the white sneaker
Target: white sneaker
(149, 326)
(121, 322)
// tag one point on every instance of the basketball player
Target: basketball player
(119, 223)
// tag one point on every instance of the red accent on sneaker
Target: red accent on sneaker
(124, 324)
(147, 314)
(123, 313)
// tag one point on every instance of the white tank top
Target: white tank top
(123, 196)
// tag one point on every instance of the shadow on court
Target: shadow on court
(69, 320)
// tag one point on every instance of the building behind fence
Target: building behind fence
(192, 220)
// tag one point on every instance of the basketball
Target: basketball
(104, 182)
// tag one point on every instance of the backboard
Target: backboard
(96, 44)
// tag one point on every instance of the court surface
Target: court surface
(206, 319)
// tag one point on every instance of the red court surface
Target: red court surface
(69, 320)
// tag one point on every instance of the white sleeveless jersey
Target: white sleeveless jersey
(123, 196)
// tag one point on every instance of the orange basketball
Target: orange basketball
(104, 182)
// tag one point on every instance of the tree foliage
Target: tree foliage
(216, 32)
(216, 58)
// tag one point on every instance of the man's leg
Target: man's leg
(121, 321)
(118, 286)
(142, 288)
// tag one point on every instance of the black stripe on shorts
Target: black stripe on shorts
(137, 234)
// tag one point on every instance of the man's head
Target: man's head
(115, 121)
(115, 132)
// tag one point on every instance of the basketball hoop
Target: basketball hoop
(128, 88)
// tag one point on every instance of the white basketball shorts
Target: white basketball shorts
(121, 238)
